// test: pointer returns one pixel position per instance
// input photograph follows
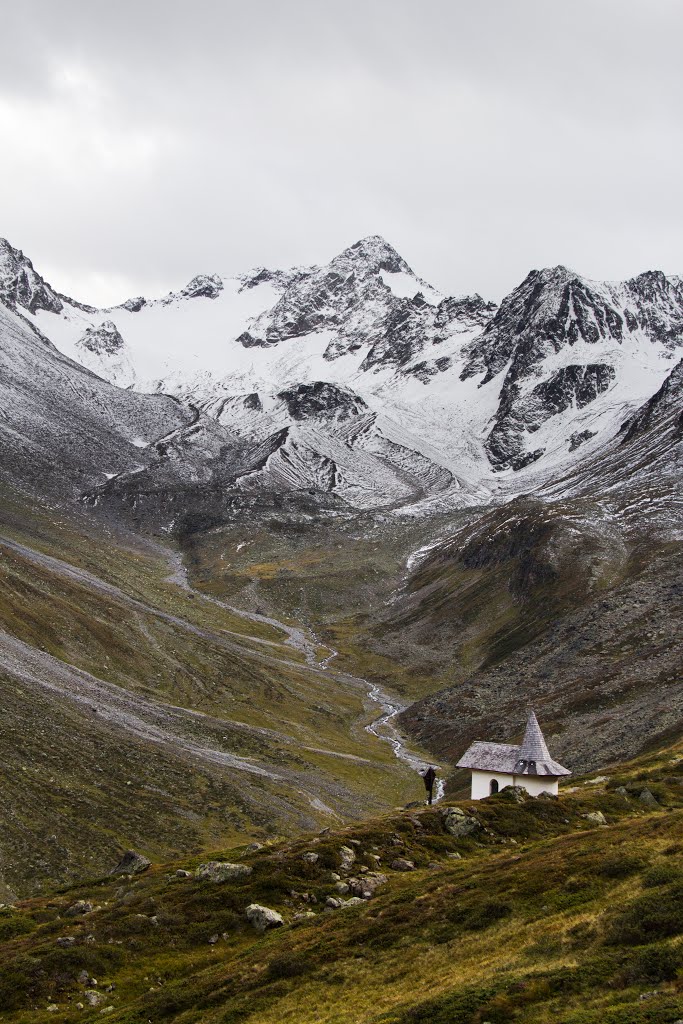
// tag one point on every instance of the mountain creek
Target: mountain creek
(302, 639)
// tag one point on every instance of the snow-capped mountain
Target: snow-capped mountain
(358, 379)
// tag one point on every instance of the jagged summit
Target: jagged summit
(375, 253)
(21, 285)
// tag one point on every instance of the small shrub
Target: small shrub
(620, 866)
(289, 965)
(487, 914)
(661, 874)
(14, 924)
(651, 965)
(649, 918)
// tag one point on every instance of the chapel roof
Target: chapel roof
(531, 757)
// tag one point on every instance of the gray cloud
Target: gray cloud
(145, 142)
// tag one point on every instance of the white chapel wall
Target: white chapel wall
(481, 783)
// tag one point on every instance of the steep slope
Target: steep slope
(61, 428)
(510, 908)
(564, 344)
(573, 602)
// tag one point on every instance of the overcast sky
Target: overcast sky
(144, 142)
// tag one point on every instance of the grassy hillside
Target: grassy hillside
(539, 914)
(136, 712)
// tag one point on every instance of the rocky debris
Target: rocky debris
(131, 863)
(103, 340)
(648, 798)
(52, 1008)
(595, 817)
(77, 908)
(221, 871)
(402, 864)
(347, 857)
(66, 941)
(458, 823)
(92, 997)
(262, 918)
(333, 903)
(366, 886)
(310, 857)
(304, 915)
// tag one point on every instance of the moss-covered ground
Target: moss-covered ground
(542, 916)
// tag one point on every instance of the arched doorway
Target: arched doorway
(494, 786)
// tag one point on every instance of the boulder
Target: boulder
(648, 798)
(517, 793)
(310, 857)
(66, 941)
(221, 871)
(366, 886)
(93, 998)
(262, 918)
(182, 873)
(346, 858)
(595, 818)
(342, 888)
(402, 864)
(458, 823)
(131, 863)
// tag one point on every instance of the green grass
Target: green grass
(160, 643)
(543, 918)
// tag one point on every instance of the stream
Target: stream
(382, 728)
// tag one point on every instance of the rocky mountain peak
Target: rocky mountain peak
(208, 286)
(372, 254)
(101, 340)
(21, 285)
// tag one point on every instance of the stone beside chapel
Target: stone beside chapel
(496, 765)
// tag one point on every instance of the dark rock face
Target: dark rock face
(580, 437)
(519, 415)
(668, 398)
(21, 285)
(134, 305)
(104, 339)
(350, 297)
(322, 399)
(552, 309)
(207, 286)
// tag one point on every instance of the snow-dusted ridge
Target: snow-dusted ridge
(426, 398)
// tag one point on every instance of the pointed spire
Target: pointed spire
(533, 746)
(533, 757)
